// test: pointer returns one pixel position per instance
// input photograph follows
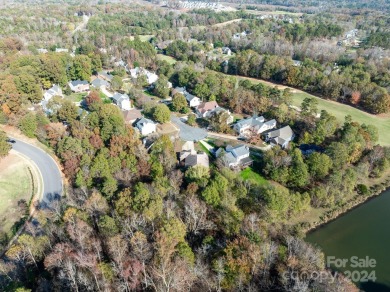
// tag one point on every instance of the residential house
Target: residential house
(79, 85)
(188, 157)
(136, 72)
(105, 76)
(219, 109)
(226, 51)
(130, 116)
(145, 126)
(55, 90)
(122, 101)
(297, 63)
(280, 137)
(61, 50)
(42, 51)
(205, 109)
(235, 157)
(99, 83)
(252, 125)
(196, 159)
(193, 101)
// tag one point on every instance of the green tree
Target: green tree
(191, 119)
(28, 125)
(309, 106)
(5, 147)
(338, 152)
(211, 195)
(278, 201)
(161, 88)
(107, 226)
(161, 113)
(319, 165)
(82, 68)
(116, 83)
(68, 111)
(298, 172)
(198, 174)
(179, 102)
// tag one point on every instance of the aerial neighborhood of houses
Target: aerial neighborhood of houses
(236, 156)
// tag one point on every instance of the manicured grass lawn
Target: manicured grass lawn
(143, 37)
(15, 185)
(169, 59)
(340, 110)
(204, 149)
(249, 174)
(76, 97)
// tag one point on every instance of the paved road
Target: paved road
(188, 133)
(52, 180)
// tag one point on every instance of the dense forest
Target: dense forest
(133, 219)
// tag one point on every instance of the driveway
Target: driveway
(188, 133)
(235, 139)
(106, 92)
(52, 180)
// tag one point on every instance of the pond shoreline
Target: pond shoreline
(359, 200)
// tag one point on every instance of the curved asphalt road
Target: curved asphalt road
(52, 180)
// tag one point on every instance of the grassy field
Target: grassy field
(169, 59)
(340, 111)
(15, 185)
(143, 38)
(76, 97)
(249, 174)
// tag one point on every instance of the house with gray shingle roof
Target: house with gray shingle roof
(253, 124)
(280, 137)
(79, 85)
(145, 126)
(55, 90)
(99, 82)
(200, 158)
(122, 101)
(193, 101)
(105, 75)
(234, 157)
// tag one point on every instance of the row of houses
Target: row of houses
(202, 109)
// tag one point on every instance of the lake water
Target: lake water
(363, 232)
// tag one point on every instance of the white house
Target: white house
(78, 85)
(219, 109)
(205, 109)
(253, 124)
(145, 126)
(226, 51)
(150, 77)
(42, 51)
(193, 101)
(55, 90)
(237, 156)
(122, 101)
(61, 50)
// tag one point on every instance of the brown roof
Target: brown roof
(132, 115)
(207, 106)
